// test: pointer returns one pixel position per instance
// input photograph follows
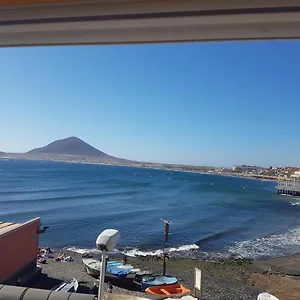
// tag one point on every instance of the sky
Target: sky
(219, 103)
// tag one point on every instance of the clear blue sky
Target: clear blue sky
(206, 104)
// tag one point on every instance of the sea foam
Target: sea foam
(133, 252)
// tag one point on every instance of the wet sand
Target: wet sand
(226, 279)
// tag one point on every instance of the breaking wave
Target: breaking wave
(260, 248)
(270, 246)
(136, 252)
(133, 252)
(295, 201)
(82, 250)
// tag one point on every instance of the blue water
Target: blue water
(212, 216)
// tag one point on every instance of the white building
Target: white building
(244, 168)
(296, 174)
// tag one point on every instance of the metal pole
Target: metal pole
(167, 228)
(102, 276)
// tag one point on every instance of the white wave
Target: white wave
(82, 250)
(295, 201)
(274, 245)
(136, 252)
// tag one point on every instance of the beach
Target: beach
(224, 279)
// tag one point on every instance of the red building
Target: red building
(18, 250)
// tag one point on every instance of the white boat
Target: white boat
(92, 266)
(69, 286)
(266, 296)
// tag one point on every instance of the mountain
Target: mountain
(70, 146)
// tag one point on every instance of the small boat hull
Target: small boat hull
(92, 272)
(128, 280)
(93, 267)
(167, 291)
(157, 281)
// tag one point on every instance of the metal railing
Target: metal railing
(288, 184)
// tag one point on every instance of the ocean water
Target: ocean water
(212, 216)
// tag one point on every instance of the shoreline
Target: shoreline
(224, 279)
(142, 165)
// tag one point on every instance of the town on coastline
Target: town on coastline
(75, 150)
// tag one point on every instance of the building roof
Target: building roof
(6, 227)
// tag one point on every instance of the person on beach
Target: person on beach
(124, 261)
(42, 260)
(49, 250)
(60, 257)
(68, 259)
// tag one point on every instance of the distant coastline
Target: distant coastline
(75, 150)
(158, 166)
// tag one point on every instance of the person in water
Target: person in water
(124, 261)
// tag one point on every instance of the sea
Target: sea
(212, 216)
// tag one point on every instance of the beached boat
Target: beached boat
(92, 266)
(167, 291)
(157, 281)
(266, 296)
(143, 275)
(69, 286)
(115, 273)
(130, 268)
(119, 264)
(112, 273)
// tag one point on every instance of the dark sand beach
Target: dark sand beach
(226, 279)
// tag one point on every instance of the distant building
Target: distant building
(18, 250)
(296, 174)
(244, 168)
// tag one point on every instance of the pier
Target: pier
(289, 187)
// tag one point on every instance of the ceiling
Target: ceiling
(70, 22)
